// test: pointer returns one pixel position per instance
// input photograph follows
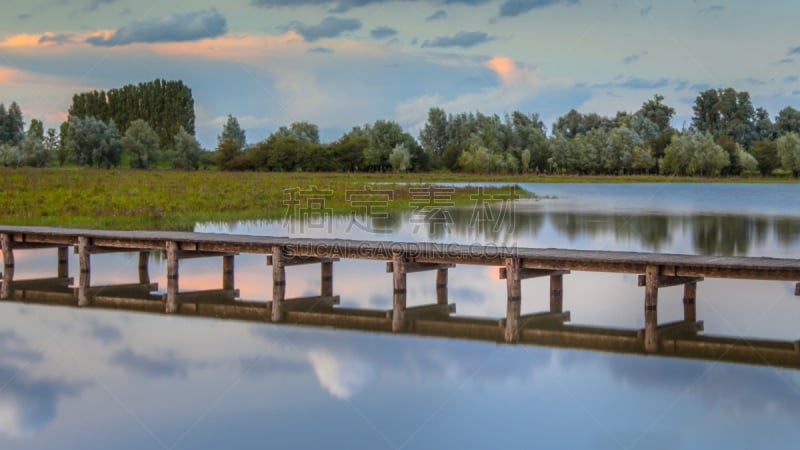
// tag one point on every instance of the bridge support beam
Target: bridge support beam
(326, 279)
(85, 268)
(173, 262)
(278, 282)
(557, 293)
(8, 278)
(399, 296)
(441, 286)
(514, 304)
(144, 267)
(63, 262)
(227, 272)
(651, 309)
(8, 250)
(690, 302)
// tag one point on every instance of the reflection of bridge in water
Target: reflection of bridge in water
(680, 339)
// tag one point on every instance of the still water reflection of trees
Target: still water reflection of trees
(710, 234)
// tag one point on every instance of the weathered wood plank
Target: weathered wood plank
(525, 274)
(669, 281)
(514, 301)
(206, 296)
(416, 267)
(301, 260)
(193, 254)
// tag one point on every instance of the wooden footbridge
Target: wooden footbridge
(655, 271)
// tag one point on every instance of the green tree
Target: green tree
(185, 154)
(788, 147)
(766, 152)
(788, 121)
(32, 151)
(725, 112)
(9, 155)
(658, 113)
(433, 135)
(91, 142)
(12, 126)
(400, 158)
(231, 131)
(141, 144)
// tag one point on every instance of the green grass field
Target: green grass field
(173, 200)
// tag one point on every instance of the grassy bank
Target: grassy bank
(171, 200)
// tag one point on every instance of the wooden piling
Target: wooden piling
(63, 262)
(556, 293)
(399, 297)
(8, 250)
(172, 276)
(326, 279)
(278, 282)
(514, 307)
(690, 302)
(227, 272)
(441, 286)
(144, 267)
(84, 288)
(6, 288)
(651, 309)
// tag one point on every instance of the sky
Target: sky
(342, 63)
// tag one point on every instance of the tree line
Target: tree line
(727, 136)
(149, 124)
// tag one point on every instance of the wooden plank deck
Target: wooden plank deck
(422, 252)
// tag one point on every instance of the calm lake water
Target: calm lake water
(91, 379)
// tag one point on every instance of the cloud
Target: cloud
(795, 51)
(791, 79)
(182, 27)
(320, 50)
(104, 333)
(383, 32)
(630, 59)
(786, 61)
(94, 5)
(329, 27)
(340, 6)
(438, 15)
(341, 373)
(55, 38)
(153, 367)
(644, 12)
(27, 404)
(22, 17)
(13, 347)
(463, 39)
(641, 83)
(713, 9)
(513, 8)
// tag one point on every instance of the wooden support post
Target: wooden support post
(651, 309)
(6, 288)
(84, 281)
(556, 293)
(326, 279)
(441, 286)
(278, 282)
(690, 302)
(227, 272)
(144, 267)
(514, 306)
(85, 266)
(797, 290)
(399, 297)
(63, 262)
(8, 250)
(172, 277)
